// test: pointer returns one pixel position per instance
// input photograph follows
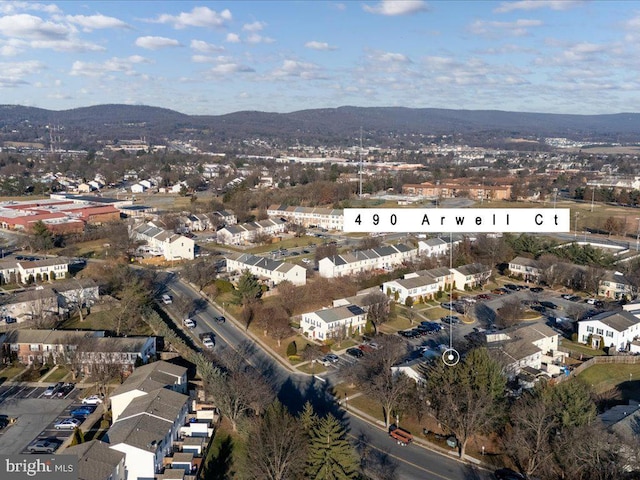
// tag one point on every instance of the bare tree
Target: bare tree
(200, 272)
(511, 312)
(377, 306)
(278, 445)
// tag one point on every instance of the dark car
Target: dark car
(537, 289)
(220, 319)
(447, 305)
(355, 352)
(511, 286)
(550, 305)
(407, 333)
(508, 474)
(575, 298)
(453, 319)
(483, 296)
(65, 390)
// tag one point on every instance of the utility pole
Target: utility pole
(360, 195)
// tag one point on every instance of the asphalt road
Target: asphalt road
(411, 462)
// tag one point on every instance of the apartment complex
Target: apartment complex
(385, 257)
(333, 322)
(329, 218)
(247, 232)
(273, 271)
(163, 242)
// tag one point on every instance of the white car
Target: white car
(207, 342)
(92, 400)
(328, 359)
(306, 260)
(67, 424)
(187, 322)
(166, 299)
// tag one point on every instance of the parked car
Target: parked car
(566, 296)
(189, 323)
(407, 333)
(575, 298)
(52, 389)
(550, 305)
(328, 359)
(166, 299)
(447, 305)
(67, 424)
(483, 296)
(452, 319)
(511, 286)
(537, 289)
(208, 342)
(83, 411)
(220, 319)
(499, 291)
(92, 400)
(44, 445)
(355, 352)
(65, 390)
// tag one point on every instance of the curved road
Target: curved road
(293, 389)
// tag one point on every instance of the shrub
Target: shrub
(292, 349)
(223, 286)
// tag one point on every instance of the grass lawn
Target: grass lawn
(226, 453)
(57, 375)
(99, 321)
(294, 242)
(312, 368)
(579, 348)
(10, 372)
(399, 323)
(605, 377)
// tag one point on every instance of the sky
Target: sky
(217, 57)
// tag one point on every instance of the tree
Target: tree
(325, 250)
(377, 306)
(40, 238)
(78, 437)
(248, 289)
(277, 445)
(527, 439)
(200, 272)
(331, 456)
(133, 297)
(510, 312)
(466, 398)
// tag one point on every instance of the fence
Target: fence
(619, 359)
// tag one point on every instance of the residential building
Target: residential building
(145, 379)
(137, 188)
(527, 268)
(385, 257)
(615, 286)
(457, 188)
(533, 346)
(329, 218)
(84, 351)
(29, 271)
(614, 330)
(225, 217)
(96, 461)
(433, 247)
(35, 305)
(146, 429)
(162, 242)
(76, 292)
(247, 232)
(274, 271)
(421, 287)
(470, 276)
(333, 322)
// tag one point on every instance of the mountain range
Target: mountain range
(382, 125)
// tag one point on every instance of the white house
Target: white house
(137, 188)
(416, 287)
(145, 183)
(471, 275)
(146, 429)
(331, 322)
(526, 346)
(247, 232)
(616, 330)
(171, 245)
(615, 285)
(145, 379)
(273, 270)
(385, 257)
(433, 247)
(329, 218)
(26, 271)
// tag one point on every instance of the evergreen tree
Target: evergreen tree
(308, 418)
(78, 437)
(248, 289)
(331, 456)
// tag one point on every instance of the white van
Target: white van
(166, 299)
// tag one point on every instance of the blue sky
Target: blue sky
(217, 57)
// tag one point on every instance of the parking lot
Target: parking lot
(35, 414)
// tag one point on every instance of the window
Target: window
(590, 329)
(609, 333)
(600, 331)
(34, 347)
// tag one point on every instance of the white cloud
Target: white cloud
(517, 28)
(12, 74)
(253, 27)
(254, 38)
(12, 47)
(314, 45)
(233, 38)
(8, 8)
(389, 57)
(204, 47)
(71, 45)
(113, 65)
(198, 17)
(396, 7)
(156, 43)
(202, 59)
(294, 68)
(27, 26)
(95, 22)
(229, 68)
(339, 6)
(527, 5)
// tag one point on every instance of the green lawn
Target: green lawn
(57, 375)
(605, 377)
(580, 348)
(10, 372)
(99, 321)
(287, 243)
(312, 368)
(226, 453)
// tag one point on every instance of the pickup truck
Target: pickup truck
(401, 436)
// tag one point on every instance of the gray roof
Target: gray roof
(330, 315)
(49, 337)
(150, 377)
(261, 262)
(527, 262)
(434, 242)
(472, 269)
(96, 461)
(415, 282)
(378, 252)
(619, 321)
